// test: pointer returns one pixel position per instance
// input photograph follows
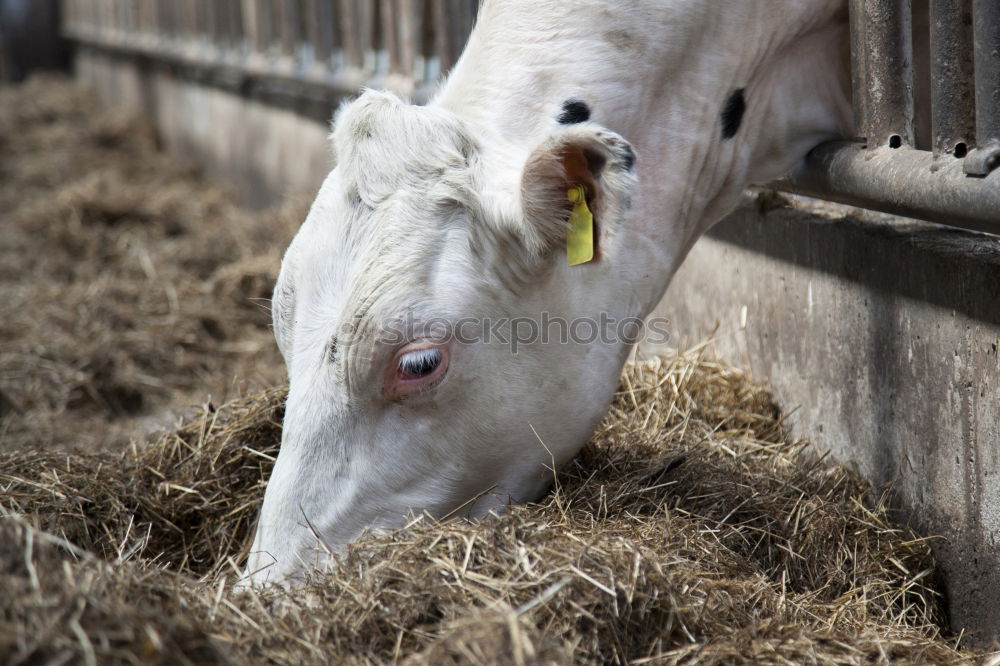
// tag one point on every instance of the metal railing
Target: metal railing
(319, 48)
(955, 180)
(326, 49)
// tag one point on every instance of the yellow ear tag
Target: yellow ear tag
(580, 240)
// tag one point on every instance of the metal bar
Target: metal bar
(215, 31)
(986, 34)
(952, 110)
(883, 77)
(349, 37)
(900, 182)
(226, 27)
(356, 31)
(191, 26)
(310, 36)
(407, 25)
(206, 22)
(236, 23)
(201, 65)
(450, 32)
(290, 27)
(325, 18)
(254, 30)
(388, 29)
(168, 18)
(986, 28)
(859, 66)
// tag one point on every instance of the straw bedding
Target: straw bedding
(692, 529)
(132, 289)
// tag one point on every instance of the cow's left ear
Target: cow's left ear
(582, 155)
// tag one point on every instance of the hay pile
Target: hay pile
(691, 530)
(131, 288)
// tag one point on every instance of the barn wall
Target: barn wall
(882, 334)
(263, 150)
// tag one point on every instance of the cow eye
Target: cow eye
(420, 363)
(415, 368)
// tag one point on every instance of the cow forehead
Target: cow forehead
(366, 265)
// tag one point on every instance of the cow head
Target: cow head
(442, 355)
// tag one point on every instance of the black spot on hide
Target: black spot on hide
(732, 113)
(331, 350)
(574, 111)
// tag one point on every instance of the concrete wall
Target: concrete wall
(265, 151)
(883, 333)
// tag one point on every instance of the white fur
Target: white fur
(457, 210)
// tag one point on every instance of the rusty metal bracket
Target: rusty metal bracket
(981, 161)
(899, 181)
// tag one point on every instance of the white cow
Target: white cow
(440, 218)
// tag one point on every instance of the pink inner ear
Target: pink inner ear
(578, 172)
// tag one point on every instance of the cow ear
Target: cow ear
(584, 155)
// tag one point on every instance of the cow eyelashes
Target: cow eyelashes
(419, 363)
(416, 368)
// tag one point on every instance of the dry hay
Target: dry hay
(691, 530)
(131, 289)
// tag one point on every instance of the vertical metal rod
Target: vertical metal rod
(215, 31)
(67, 11)
(138, 11)
(468, 22)
(325, 29)
(356, 31)
(236, 25)
(254, 27)
(408, 36)
(887, 71)
(952, 115)
(209, 22)
(348, 33)
(103, 15)
(290, 27)
(168, 12)
(986, 28)
(121, 18)
(150, 15)
(310, 28)
(389, 16)
(224, 25)
(859, 67)
(448, 20)
(367, 28)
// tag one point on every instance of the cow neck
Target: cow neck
(661, 76)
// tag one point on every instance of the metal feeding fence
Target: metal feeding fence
(948, 181)
(323, 50)
(317, 49)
